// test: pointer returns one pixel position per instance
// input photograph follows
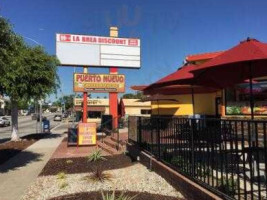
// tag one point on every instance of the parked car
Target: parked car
(58, 118)
(4, 121)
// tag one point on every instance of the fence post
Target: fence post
(158, 136)
(193, 122)
(139, 129)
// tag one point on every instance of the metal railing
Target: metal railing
(228, 157)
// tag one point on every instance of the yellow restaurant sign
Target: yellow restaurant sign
(98, 83)
(87, 134)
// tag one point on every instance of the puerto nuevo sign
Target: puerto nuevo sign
(99, 83)
(97, 51)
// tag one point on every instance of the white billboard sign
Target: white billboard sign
(97, 51)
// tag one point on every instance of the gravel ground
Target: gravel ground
(132, 178)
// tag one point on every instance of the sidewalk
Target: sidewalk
(17, 174)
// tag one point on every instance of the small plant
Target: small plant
(112, 196)
(63, 185)
(69, 161)
(179, 161)
(61, 175)
(227, 186)
(96, 156)
(100, 176)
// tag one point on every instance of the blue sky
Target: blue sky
(169, 29)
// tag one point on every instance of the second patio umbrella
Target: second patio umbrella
(246, 60)
(180, 82)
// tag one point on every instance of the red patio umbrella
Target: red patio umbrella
(182, 76)
(246, 60)
(178, 90)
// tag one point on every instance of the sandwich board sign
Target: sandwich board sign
(98, 51)
(86, 134)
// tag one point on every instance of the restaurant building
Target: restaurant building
(135, 107)
(227, 103)
(100, 106)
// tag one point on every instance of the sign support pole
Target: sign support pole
(85, 70)
(113, 96)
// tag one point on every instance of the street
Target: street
(26, 126)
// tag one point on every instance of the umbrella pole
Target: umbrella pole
(251, 92)
(193, 99)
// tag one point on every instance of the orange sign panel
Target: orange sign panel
(100, 83)
(86, 134)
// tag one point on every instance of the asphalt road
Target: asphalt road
(26, 126)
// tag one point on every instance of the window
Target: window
(94, 114)
(145, 111)
(238, 98)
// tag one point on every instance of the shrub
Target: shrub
(112, 196)
(69, 161)
(96, 156)
(63, 185)
(227, 186)
(100, 176)
(61, 175)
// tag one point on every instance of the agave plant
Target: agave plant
(112, 196)
(96, 156)
(100, 175)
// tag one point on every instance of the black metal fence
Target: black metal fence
(228, 157)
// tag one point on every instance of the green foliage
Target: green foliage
(69, 161)
(26, 72)
(179, 161)
(138, 95)
(68, 100)
(61, 176)
(227, 186)
(96, 156)
(100, 176)
(63, 185)
(112, 196)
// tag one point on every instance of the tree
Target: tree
(27, 72)
(138, 95)
(68, 100)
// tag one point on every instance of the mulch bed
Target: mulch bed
(81, 165)
(11, 148)
(98, 196)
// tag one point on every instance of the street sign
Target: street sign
(99, 83)
(97, 51)
(86, 134)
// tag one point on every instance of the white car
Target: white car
(4, 121)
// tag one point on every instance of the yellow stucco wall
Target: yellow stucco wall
(132, 110)
(204, 104)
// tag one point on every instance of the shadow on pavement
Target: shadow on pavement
(24, 158)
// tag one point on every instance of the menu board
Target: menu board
(86, 134)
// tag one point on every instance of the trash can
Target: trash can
(46, 126)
